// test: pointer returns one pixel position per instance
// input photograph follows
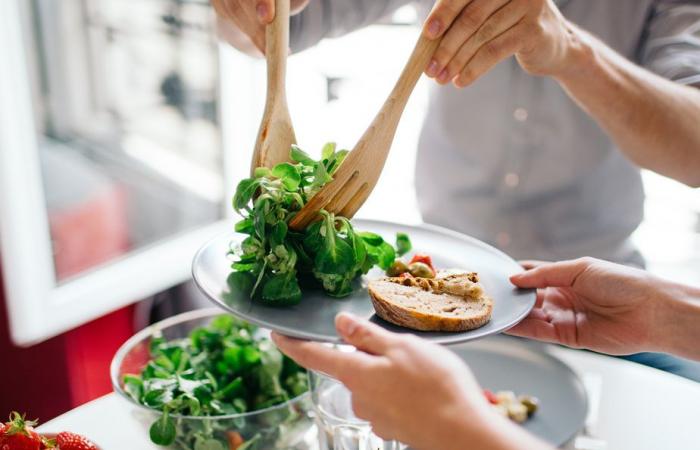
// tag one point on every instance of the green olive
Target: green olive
(420, 270)
(397, 268)
(531, 403)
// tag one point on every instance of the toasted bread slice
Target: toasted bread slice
(452, 303)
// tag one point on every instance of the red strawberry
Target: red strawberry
(19, 434)
(71, 441)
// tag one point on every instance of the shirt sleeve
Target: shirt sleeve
(333, 18)
(672, 45)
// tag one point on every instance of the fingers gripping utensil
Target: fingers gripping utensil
(276, 134)
(359, 173)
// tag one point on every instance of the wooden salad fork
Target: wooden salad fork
(359, 173)
(276, 134)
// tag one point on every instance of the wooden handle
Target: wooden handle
(417, 63)
(385, 122)
(357, 176)
(276, 133)
(277, 48)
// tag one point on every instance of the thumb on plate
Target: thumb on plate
(558, 274)
(363, 335)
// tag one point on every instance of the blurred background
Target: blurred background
(142, 126)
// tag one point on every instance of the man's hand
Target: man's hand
(587, 303)
(248, 17)
(409, 389)
(480, 33)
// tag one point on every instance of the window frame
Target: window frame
(38, 306)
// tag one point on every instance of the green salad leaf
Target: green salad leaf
(162, 432)
(272, 260)
(403, 244)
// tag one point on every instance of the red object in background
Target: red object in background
(50, 378)
(90, 233)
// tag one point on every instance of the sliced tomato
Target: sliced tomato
(490, 396)
(425, 259)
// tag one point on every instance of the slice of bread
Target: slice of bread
(451, 303)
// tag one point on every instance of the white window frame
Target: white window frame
(39, 307)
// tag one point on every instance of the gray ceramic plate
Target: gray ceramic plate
(313, 317)
(503, 363)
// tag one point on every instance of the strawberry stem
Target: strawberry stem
(19, 424)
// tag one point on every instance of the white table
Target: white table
(640, 408)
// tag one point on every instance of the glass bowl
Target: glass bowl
(287, 426)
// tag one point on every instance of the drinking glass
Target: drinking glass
(338, 427)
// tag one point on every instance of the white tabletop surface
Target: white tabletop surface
(639, 408)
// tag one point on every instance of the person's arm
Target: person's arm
(609, 308)
(435, 404)
(654, 121)
(335, 18)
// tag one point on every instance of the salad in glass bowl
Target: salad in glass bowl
(206, 381)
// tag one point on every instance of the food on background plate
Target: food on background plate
(436, 302)
(518, 409)
(221, 369)
(273, 262)
(19, 434)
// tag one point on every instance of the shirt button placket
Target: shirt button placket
(511, 177)
(515, 151)
(520, 114)
(511, 180)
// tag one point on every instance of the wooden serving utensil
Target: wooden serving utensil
(276, 134)
(359, 173)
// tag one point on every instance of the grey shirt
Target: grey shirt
(512, 159)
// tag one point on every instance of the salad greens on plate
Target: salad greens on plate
(223, 369)
(273, 262)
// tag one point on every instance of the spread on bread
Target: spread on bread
(462, 285)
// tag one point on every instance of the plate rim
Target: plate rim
(450, 339)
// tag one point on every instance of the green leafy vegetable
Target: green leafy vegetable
(162, 431)
(288, 174)
(403, 244)
(272, 259)
(220, 369)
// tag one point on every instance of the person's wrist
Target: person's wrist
(479, 428)
(484, 428)
(465, 418)
(580, 55)
(676, 318)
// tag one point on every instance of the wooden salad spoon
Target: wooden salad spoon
(276, 134)
(359, 173)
